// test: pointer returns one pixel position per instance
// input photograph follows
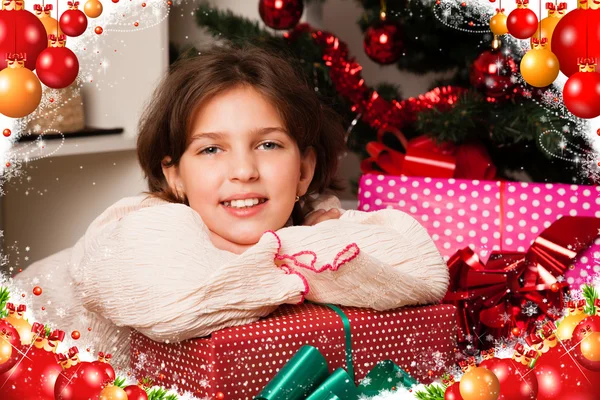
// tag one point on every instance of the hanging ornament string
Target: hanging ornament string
(383, 12)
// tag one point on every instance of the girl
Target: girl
(240, 158)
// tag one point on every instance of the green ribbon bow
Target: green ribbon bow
(306, 376)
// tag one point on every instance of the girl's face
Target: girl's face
(241, 171)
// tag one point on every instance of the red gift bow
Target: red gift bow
(10, 307)
(597, 303)
(562, 6)
(490, 297)
(487, 354)
(499, 10)
(576, 305)
(534, 339)
(522, 2)
(519, 350)
(61, 357)
(424, 157)
(38, 329)
(548, 329)
(73, 352)
(57, 335)
(537, 41)
(586, 61)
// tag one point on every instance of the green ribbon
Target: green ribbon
(306, 376)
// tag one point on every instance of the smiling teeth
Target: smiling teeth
(243, 203)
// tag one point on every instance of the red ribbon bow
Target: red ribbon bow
(548, 329)
(61, 357)
(597, 303)
(534, 339)
(10, 307)
(448, 380)
(73, 4)
(562, 6)
(522, 2)
(499, 10)
(423, 157)
(73, 352)
(22, 308)
(586, 329)
(537, 41)
(12, 57)
(57, 335)
(586, 61)
(490, 297)
(550, 6)
(519, 350)
(6, 333)
(38, 329)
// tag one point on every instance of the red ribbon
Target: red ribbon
(12, 57)
(38, 329)
(586, 61)
(537, 41)
(534, 339)
(548, 329)
(550, 6)
(499, 10)
(597, 303)
(10, 307)
(522, 2)
(424, 157)
(490, 297)
(57, 335)
(519, 350)
(73, 351)
(562, 6)
(61, 357)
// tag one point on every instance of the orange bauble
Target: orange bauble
(568, 324)
(20, 94)
(548, 24)
(92, 8)
(20, 324)
(479, 384)
(112, 393)
(590, 346)
(498, 24)
(539, 67)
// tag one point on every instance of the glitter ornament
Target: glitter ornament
(522, 22)
(93, 8)
(491, 73)
(73, 22)
(280, 14)
(50, 24)
(29, 37)
(57, 66)
(498, 23)
(539, 67)
(581, 93)
(6, 132)
(383, 41)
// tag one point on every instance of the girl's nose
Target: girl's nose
(243, 168)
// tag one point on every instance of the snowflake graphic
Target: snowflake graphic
(204, 383)
(530, 309)
(489, 338)
(505, 317)
(60, 312)
(366, 381)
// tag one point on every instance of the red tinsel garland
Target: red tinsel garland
(375, 111)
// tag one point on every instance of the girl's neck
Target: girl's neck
(224, 244)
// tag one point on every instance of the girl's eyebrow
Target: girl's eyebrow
(221, 135)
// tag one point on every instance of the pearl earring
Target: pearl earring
(297, 198)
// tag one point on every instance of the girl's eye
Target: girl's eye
(209, 150)
(269, 145)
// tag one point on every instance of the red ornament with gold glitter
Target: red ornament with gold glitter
(79, 380)
(50, 24)
(57, 66)
(383, 41)
(16, 317)
(581, 93)
(20, 32)
(73, 22)
(280, 14)
(522, 22)
(9, 342)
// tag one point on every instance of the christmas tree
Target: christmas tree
(483, 104)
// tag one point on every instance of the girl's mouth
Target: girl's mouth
(244, 204)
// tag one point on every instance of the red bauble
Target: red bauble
(33, 377)
(57, 67)
(581, 94)
(31, 36)
(453, 392)
(383, 42)
(15, 341)
(560, 377)
(569, 39)
(491, 73)
(107, 368)
(73, 22)
(281, 14)
(83, 381)
(522, 23)
(593, 324)
(517, 382)
(135, 392)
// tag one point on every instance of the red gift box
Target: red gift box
(239, 361)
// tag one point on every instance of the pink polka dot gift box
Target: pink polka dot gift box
(238, 362)
(486, 215)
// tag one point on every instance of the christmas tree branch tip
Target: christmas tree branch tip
(591, 295)
(431, 392)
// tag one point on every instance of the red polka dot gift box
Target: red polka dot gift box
(237, 362)
(487, 215)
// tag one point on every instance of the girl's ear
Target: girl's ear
(171, 174)
(307, 170)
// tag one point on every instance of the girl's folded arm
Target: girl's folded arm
(389, 260)
(154, 271)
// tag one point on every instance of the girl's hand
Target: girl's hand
(322, 215)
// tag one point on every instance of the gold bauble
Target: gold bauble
(590, 346)
(112, 393)
(568, 324)
(20, 324)
(5, 350)
(92, 8)
(20, 94)
(479, 384)
(539, 67)
(51, 25)
(498, 24)
(548, 24)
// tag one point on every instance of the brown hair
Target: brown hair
(165, 124)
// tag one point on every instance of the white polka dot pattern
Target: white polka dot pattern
(459, 213)
(239, 361)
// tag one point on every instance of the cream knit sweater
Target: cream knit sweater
(149, 265)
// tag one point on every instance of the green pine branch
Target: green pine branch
(590, 294)
(161, 394)
(4, 297)
(120, 382)
(431, 392)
